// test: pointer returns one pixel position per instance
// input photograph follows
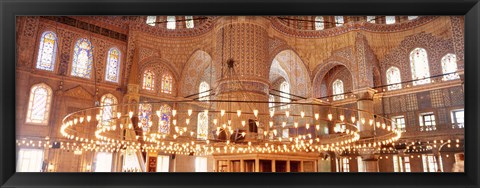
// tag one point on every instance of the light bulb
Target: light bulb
(243, 134)
(302, 114)
(307, 126)
(189, 112)
(130, 114)
(287, 113)
(317, 116)
(378, 124)
(270, 123)
(284, 124)
(255, 112)
(239, 112)
(187, 121)
(275, 132)
(370, 121)
(158, 113)
(222, 112)
(295, 125)
(229, 122)
(243, 123)
(174, 122)
(362, 120)
(342, 117)
(174, 112)
(317, 127)
(89, 118)
(224, 126)
(353, 119)
(272, 113)
(330, 116)
(215, 121)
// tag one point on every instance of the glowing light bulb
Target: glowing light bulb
(243, 123)
(342, 117)
(307, 126)
(317, 127)
(239, 113)
(270, 123)
(222, 112)
(275, 132)
(330, 116)
(229, 122)
(255, 112)
(302, 114)
(353, 119)
(378, 124)
(174, 122)
(370, 121)
(243, 134)
(158, 113)
(295, 125)
(272, 113)
(284, 124)
(187, 121)
(287, 113)
(362, 120)
(224, 126)
(189, 112)
(130, 114)
(317, 116)
(89, 118)
(174, 112)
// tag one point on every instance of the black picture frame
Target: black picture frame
(10, 9)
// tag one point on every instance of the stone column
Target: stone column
(365, 103)
(370, 158)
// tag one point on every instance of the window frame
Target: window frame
(48, 104)
(92, 63)
(394, 119)
(118, 66)
(55, 51)
(454, 119)
(423, 122)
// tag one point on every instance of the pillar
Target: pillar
(242, 165)
(288, 166)
(274, 168)
(257, 165)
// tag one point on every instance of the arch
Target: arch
(338, 90)
(38, 111)
(449, 67)
(164, 121)
(148, 80)
(47, 51)
(419, 66)
(198, 68)
(108, 111)
(293, 69)
(203, 93)
(82, 59)
(112, 70)
(167, 83)
(320, 77)
(393, 77)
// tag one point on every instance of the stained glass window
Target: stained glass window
(189, 21)
(148, 80)
(47, 51)
(319, 25)
(371, 19)
(145, 116)
(284, 95)
(39, 104)
(338, 90)
(412, 17)
(449, 67)
(171, 22)
(389, 19)
(419, 66)
(203, 91)
(164, 123)
(82, 59)
(339, 21)
(167, 83)
(113, 65)
(202, 126)
(108, 111)
(393, 77)
(151, 20)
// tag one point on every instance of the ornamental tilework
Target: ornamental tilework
(456, 94)
(412, 103)
(424, 100)
(437, 98)
(442, 116)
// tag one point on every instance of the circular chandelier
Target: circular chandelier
(125, 127)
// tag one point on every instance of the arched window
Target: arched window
(145, 116)
(171, 22)
(284, 95)
(82, 59)
(393, 77)
(338, 90)
(108, 111)
(202, 126)
(449, 67)
(47, 51)
(189, 22)
(371, 19)
(39, 104)
(113, 65)
(151, 20)
(164, 123)
(319, 23)
(389, 19)
(339, 21)
(203, 91)
(412, 17)
(271, 99)
(148, 80)
(419, 66)
(167, 83)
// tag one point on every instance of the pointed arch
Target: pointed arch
(449, 67)
(393, 78)
(338, 90)
(112, 70)
(419, 66)
(148, 80)
(293, 69)
(47, 51)
(82, 59)
(167, 83)
(39, 104)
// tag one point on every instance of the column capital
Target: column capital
(365, 93)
